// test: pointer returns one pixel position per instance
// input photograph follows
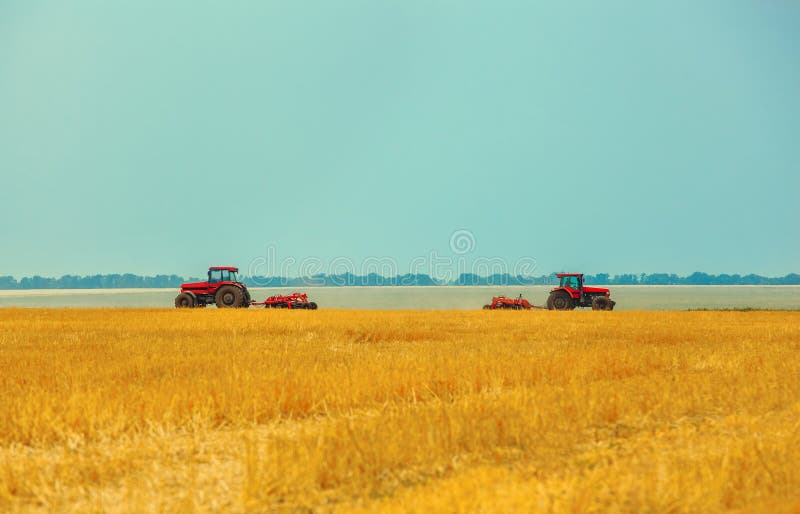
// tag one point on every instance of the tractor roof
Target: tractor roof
(224, 268)
(569, 275)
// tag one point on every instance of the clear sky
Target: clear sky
(617, 136)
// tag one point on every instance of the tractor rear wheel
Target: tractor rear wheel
(560, 301)
(184, 301)
(228, 297)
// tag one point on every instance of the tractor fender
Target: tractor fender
(220, 285)
(194, 296)
(232, 284)
(565, 290)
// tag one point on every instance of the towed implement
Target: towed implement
(291, 301)
(503, 302)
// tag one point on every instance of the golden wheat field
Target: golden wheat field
(260, 410)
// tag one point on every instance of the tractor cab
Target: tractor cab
(217, 274)
(572, 281)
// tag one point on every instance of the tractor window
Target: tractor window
(221, 275)
(214, 276)
(570, 282)
(228, 276)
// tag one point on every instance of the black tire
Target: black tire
(610, 306)
(560, 301)
(185, 301)
(312, 306)
(229, 297)
(600, 303)
(487, 306)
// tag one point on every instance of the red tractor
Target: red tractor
(502, 302)
(571, 293)
(222, 288)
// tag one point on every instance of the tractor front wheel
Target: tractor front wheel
(560, 301)
(601, 303)
(228, 297)
(184, 301)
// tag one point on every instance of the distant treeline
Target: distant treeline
(113, 281)
(129, 280)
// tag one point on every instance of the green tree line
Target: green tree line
(129, 280)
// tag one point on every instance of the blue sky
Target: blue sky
(619, 136)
